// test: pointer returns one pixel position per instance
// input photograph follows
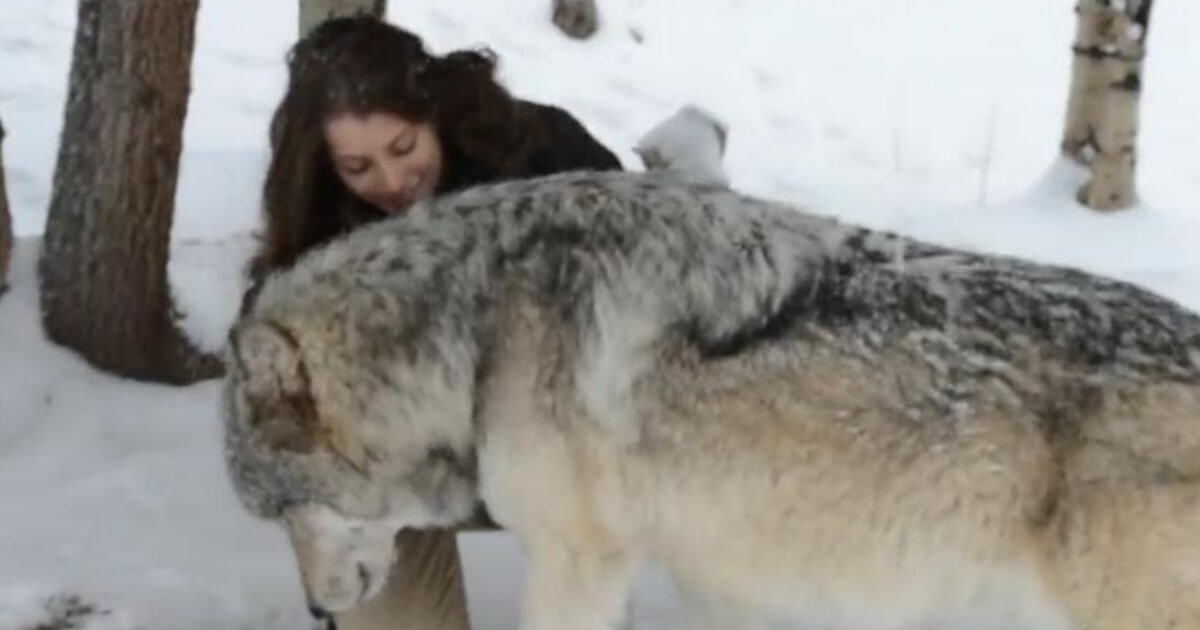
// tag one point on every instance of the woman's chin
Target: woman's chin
(393, 207)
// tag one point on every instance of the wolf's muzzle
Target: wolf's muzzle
(322, 615)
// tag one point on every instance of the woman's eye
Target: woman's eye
(354, 169)
(404, 146)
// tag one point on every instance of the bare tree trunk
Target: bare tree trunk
(576, 18)
(1102, 109)
(313, 12)
(103, 264)
(6, 228)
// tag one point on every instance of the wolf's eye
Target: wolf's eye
(278, 509)
(442, 453)
(461, 465)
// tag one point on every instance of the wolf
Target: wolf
(796, 417)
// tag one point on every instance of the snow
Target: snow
(934, 118)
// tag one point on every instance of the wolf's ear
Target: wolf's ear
(268, 358)
(271, 367)
(270, 364)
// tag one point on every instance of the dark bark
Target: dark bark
(103, 263)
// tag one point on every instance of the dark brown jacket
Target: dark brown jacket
(560, 143)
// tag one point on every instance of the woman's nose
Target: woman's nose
(400, 181)
(394, 180)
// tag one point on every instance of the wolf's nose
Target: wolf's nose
(320, 614)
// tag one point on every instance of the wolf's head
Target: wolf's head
(344, 445)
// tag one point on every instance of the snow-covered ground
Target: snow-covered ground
(936, 118)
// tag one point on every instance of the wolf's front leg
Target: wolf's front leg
(577, 589)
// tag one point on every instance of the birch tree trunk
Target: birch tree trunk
(6, 228)
(313, 12)
(1102, 109)
(103, 263)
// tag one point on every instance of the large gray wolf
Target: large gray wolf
(794, 417)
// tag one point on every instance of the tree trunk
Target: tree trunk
(1102, 109)
(103, 264)
(313, 12)
(6, 228)
(577, 18)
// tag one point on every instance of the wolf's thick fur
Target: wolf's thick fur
(798, 418)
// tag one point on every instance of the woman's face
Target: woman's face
(384, 159)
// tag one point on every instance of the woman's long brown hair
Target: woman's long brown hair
(363, 65)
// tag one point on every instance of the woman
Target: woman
(371, 123)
